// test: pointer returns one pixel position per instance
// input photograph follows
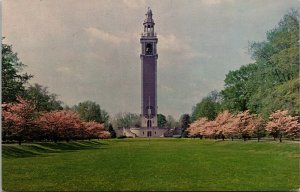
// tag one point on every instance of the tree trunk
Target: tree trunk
(20, 141)
(280, 139)
(231, 138)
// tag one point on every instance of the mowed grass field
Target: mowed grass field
(155, 164)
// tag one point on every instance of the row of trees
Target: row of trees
(274, 75)
(15, 83)
(269, 84)
(21, 121)
(244, 125)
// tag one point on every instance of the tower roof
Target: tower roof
(149, 18)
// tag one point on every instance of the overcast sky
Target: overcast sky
(89, 49)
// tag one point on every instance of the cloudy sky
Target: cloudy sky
(89, 49)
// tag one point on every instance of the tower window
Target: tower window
(149, 49)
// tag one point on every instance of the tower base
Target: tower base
(143, 132)
(145, 122)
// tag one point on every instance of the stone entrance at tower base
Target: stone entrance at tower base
(146, 132)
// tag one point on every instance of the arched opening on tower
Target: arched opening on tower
(149, 49)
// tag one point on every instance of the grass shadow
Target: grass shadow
(43, 148)
(12, 151)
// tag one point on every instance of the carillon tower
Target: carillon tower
(148, 116)
(149, 73)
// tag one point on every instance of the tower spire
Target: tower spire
(148, 24)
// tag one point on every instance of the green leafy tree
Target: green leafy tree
(126, 120)
(184, 124)
(91, 111)
(239, 85)
(67, 108)
(268, 84)
(278, 56)
(171, 122)
(208, 107)
(283, 96)
(13, 81)
(43, 100)
(161, 121)
(111, 130)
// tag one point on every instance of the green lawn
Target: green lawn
(156, 164)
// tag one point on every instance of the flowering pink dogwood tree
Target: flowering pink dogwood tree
(281, 124)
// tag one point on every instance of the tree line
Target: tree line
(244, 125)
(32, 113)
(22, 122)
(269, 84)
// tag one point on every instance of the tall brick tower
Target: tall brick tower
(149, 73)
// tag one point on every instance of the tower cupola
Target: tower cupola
(149, 24)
